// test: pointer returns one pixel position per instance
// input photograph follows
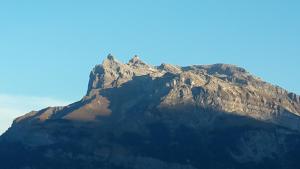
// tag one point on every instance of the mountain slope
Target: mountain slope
(136, 115)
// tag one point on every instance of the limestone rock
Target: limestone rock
(136, 115)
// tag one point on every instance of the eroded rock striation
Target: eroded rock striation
(136, 115)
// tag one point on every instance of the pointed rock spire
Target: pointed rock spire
(110, 61)
(136, 61)
(110, 57)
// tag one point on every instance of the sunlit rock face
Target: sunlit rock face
(136, 115)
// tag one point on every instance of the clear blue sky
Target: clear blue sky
(47, 48)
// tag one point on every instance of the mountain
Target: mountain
(139, 116)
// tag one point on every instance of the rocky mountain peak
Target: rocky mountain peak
(112, 73)
(221, 87)
(136, 62)
(135, 59)
(110, 62)
(110, 57)
(136, 115)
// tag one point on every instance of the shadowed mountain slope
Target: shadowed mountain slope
(135, 115)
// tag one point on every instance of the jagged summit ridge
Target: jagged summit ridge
(220, 87)
(112, 73)
(136, 115)
(135, 60)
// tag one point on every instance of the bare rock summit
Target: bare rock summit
(135, 115)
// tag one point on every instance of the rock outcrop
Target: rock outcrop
(167, 116)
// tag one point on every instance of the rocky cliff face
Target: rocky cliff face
(135, 115)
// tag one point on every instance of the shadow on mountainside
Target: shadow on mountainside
(138, 134)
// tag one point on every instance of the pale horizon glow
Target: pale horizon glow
(13, 106)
